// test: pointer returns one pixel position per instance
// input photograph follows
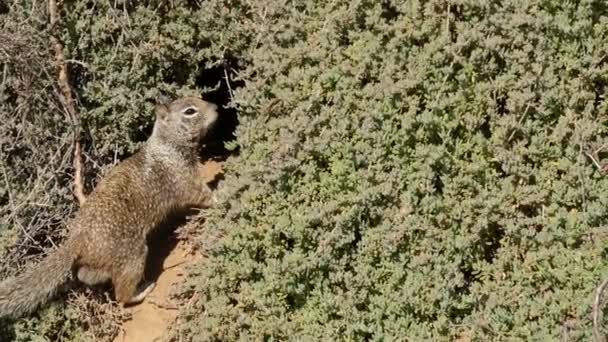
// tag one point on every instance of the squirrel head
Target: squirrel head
(185, 121)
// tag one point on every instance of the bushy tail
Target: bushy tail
(24, 293)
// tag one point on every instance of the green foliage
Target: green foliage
(406, 168)
(56, 323)
(412, 169)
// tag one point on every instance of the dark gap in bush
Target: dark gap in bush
(466, 268)
(321, 161)
(194, 4)
(259, 255)
(490, 241)
(360, 18)
(485, 128)
(180, 70)
(7, 329)
(599, 9)
(602, 155)
(343, 37)
(91, 169)
(467, 273)
(497, 166)
(362, 306)
(15, 151)
(297, 301)
(501, 64)
(333, 315)
(79, 77)
(286, 241)
(4, 9)
(363, 335)
(501, 105)
(367, 78)
(457, 11)
(9, 94)
(438, 184)
(4, 199)
(356, 238)
(420, 94)
(529, 210)
(222, 96)
(389, 11)
(433, 130)
(458, 314)
(599, 87)
(605, 253)
(282, 183)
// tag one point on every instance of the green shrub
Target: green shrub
(412, 169)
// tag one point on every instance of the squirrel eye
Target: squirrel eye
(190, 111)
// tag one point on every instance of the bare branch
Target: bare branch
(228, 83)
(67, 99)
(597, 164)
(74, 61)
(519, 122)
(597, 334)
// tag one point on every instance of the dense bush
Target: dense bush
(405, 168)
(33, 178)
(35, 161)
(412, 169)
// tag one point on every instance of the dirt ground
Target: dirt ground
(151, 319)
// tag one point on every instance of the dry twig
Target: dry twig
(594, 156)
(519, 122)
(597, 334)
(67, 99)
(228, 83)
(165, 305)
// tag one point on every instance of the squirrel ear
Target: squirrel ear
(161, 111)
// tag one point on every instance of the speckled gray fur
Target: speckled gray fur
(107, 237)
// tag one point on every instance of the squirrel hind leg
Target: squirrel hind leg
(127, 276)
(92, 276)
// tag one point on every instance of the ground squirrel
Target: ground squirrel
(107, 237)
